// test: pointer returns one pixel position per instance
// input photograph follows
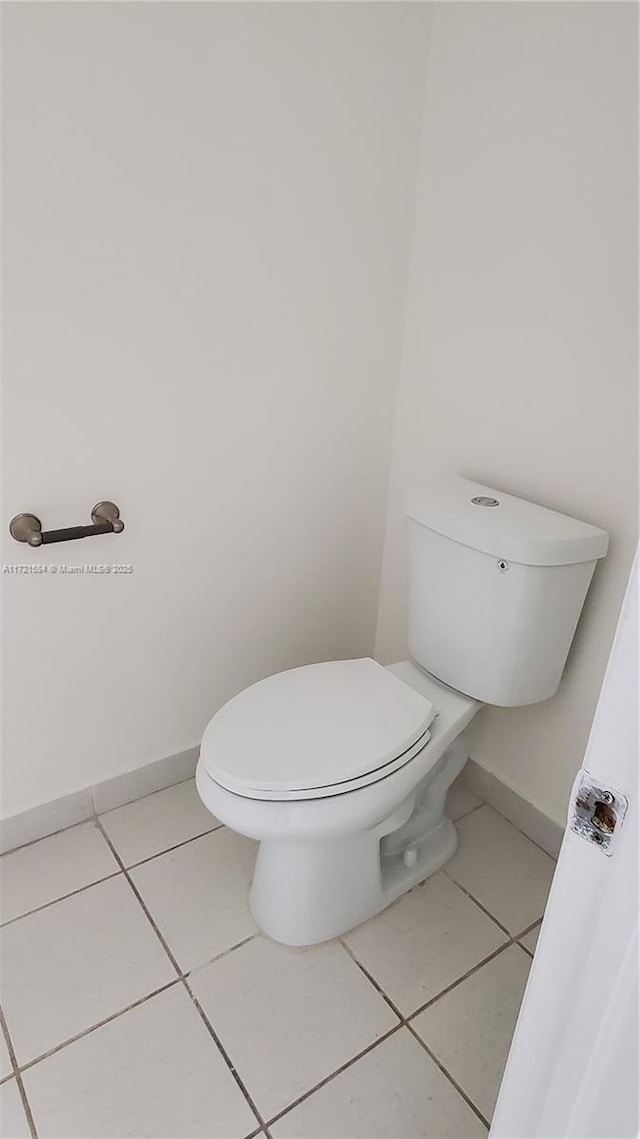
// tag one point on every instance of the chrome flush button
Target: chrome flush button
(484, 500)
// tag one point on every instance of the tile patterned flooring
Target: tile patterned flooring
(139, 999)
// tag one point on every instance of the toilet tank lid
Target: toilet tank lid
(500, 524)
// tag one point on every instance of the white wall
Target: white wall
(208, 215)
(207, 222)
(519, 364)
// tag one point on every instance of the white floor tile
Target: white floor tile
(76, 962)
(394, 1092)
(5, 1059)
(153, 824)
(424, 942)
(154, 1071)
(469, 1029)
(460, 801)
(55, 866)
(530, 939)
(13, 1121)
(502, 869)
(198, 895)
(288, 1018)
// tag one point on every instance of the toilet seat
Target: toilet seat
(320, 730)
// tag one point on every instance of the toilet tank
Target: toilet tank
(496, 586)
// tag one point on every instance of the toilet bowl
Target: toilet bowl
(340, 770)
(340, 849)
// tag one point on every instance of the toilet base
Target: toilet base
(326, 865)
(307, 892)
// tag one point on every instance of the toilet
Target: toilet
(340, 769)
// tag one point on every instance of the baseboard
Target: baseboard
(136, 784)
(41, 821)
(542, 830)
(61, 813)
(95, 800)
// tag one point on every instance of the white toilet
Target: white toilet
(341, 769)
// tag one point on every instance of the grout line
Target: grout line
(142, 902)
(471, 810)
(487, 912)
(18, 1078)
(107, 1020)
(403, 1021)
(27, 1106)
(405, 1018)
(4, 1028)
(225, 953)
(99, 1024)
(480, 906)
(476, 968)
(147, 794)
(180, 978)
(62, 898)
(168, 849)
(338, 1072)
(223, 1052)
(534, 925)
(183, 980)
(122, 867)
(181, 973)
(553, 857)
(32, 841)
(444, 1071)
(530, 952)
(372, 979)
(93, 814)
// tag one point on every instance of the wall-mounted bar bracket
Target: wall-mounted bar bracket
(107, 512)
(26, 528)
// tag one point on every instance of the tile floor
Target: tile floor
(139, 999)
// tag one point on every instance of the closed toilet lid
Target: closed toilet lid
(304, 732)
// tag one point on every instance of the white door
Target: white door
(573, 1066)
